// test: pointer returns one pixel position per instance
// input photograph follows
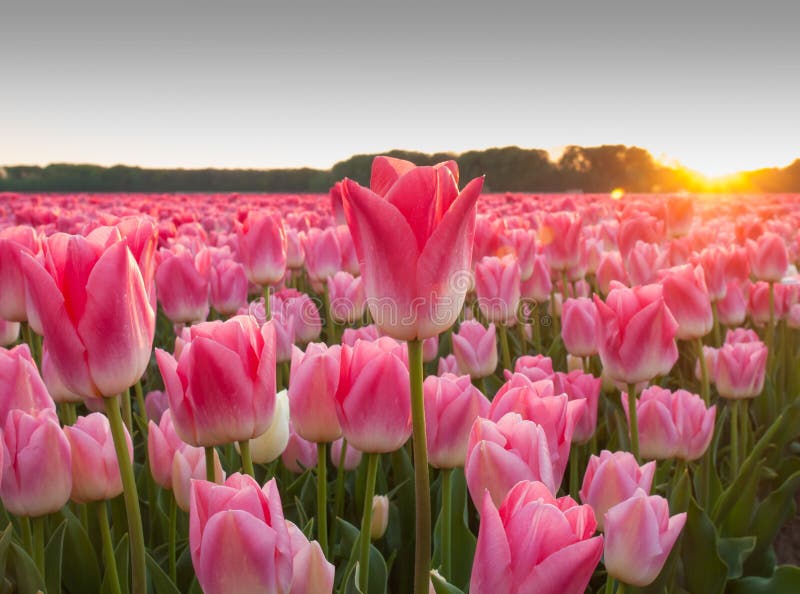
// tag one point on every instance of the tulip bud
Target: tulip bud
(380, 516)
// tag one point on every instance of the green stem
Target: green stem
(25, 529)
(564, 286)
(366, 523)
(108, 546)
(701, 359)
(139, 392)
(734, 439)
(621, 588)
(267, 304)
(340, 472)
(38, 543)
(523, 341)
(127, 414)
(330, 327)
(634, 424)
(173, 528)
(322, 497)
(537, 333)
(210, 474)
(504, 350)
(609, 585)
(717, 330)
(447, 496)
(135, 532)
(422, 557)
(247, 460)
(68, 413)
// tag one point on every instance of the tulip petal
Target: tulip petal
(491, 570)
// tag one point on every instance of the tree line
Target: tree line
(507, 169)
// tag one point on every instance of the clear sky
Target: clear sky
(714, 85)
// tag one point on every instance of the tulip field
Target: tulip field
(406, 386)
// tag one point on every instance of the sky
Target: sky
(713, 85)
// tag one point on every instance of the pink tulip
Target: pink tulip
(524, 244)
(312, 392)
(262, 248)
(741, 335)
(534, 367)
(639, 537)
(228, 287)
(14, 241)
(538, 286)
(290, 303)
(535, 543)
(162, 443)
(188, 465)
(93, 307)
(299, 454)
(430, 349)
(413, 232)
(497, 287)
(578, 326)
(475, 349)
(768, 257)
(37, 479)
(672, 424)
(643, 263)
(9, 332)
(347, 299)
(448, 364)
(578, 385)
(182, 282)
(20, 384)
(312, 572)
(610, 269)
(732, 309)
(710, 359)
(222, 387)
(613, 477)
(636, 334)
(351, 335)
(372, 400)
(352, 456)
(95, 469)
(686, 296)
(501, 454)
(238, 537)
(323, 256)
(741, 368)
(337, 207)
(156, 403)
(452, 404)
(714, 259)
(560, 234)
(295, 254)
(349, 258)
(537, 402)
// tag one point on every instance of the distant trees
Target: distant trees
(507, 169)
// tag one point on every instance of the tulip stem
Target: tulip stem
(701, 360)
(537, 333)
(173, 528)
(770, 338)
(330, 327)
(422, 492)
(108, 546)
(210, 474)
(25, 531)
(634, 424)
(339, 500)
(322, 497)
(609, 585)
(267, 304)
(138, 567)
(447, 496)
(38, 543)
(247, 461)
(504, 350)
(734, 439)
(127, 414)
(68, 414)
(137, 389)
(366, 523)
(717, 330)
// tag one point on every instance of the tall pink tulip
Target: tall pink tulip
(686, 295)
(312, 392)
(347, 299)
(538, 286)
(323, 255)
(188, 465)
(578, 385)
(37, 479)
(162, 443)
(636, 334)
(497, 286)
(413, 234)
(311, 571)
(95, 469)
(182, 282)
(534, 367)
(92, 304)
(613, 477)
(535, 543)
(732, 308)
(14, 241)
(475, 349)
(610, 269)
(578, 326)
(372, 399)
(639, 537)
(299, 454)
(452, 404)
(222, 387)
(501, 454)
(768, 257)
(560, 234)
(228, 287)
(741, 369)
(238, 538)
(21, 386)
(262, 247)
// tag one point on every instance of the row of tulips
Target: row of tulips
(330, 376)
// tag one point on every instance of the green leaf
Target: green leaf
(462, 541)
(27, 578)
(785, 580)
(377, 566)
(122, 556)
(161, 581)
(440, 585)
(734, 551)
(681, 495)
(79, 566)
(706, 572)
(53, 555)
(5, 542)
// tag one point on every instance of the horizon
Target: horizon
(300, 87)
